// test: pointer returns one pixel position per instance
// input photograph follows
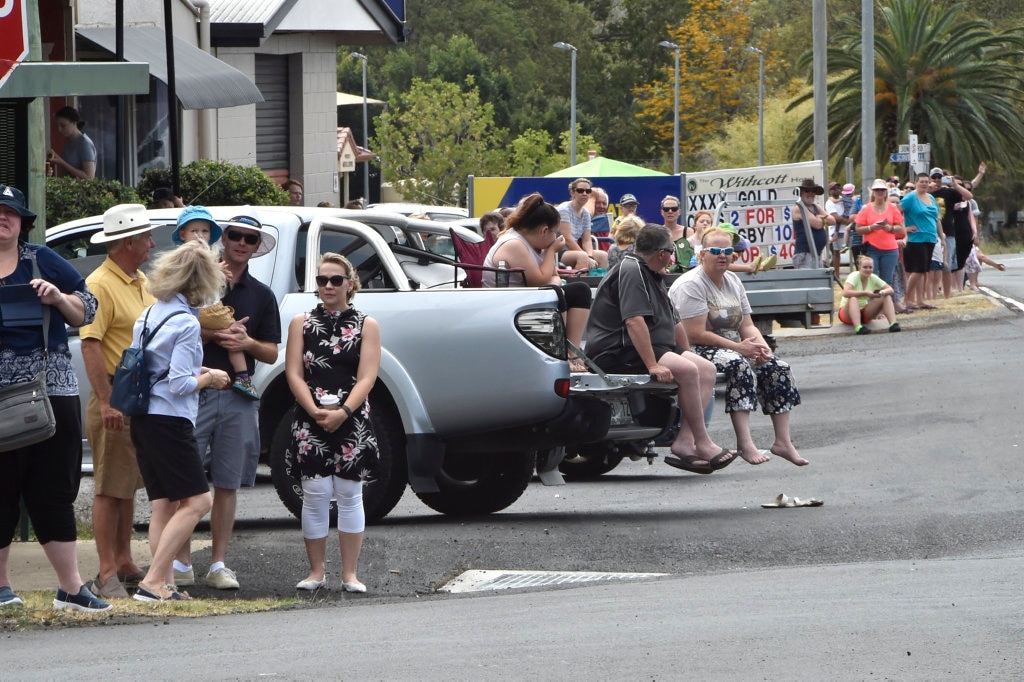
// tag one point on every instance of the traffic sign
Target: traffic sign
(13, 36)
(925, 148)
(904, 157)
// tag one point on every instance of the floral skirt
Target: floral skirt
(770, 383)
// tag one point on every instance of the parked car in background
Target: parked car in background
(439, 213)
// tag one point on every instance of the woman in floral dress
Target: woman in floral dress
(713, 306)
(333, 350)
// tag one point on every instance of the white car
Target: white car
(438, 213)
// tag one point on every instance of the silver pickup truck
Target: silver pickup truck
(474, 392)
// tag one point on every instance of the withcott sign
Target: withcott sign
(13, 36)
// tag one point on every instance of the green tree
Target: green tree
(433, 137)
(69, 198)
(737, 147)
(954, 81)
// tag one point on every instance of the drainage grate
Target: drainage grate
(481, 581)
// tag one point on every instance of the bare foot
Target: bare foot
(754, 456)
(788, 451)
(689, 456)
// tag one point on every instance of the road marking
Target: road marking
(1013, 304)
(485, 580)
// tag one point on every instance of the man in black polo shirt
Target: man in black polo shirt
(633, 329)
(227, 428)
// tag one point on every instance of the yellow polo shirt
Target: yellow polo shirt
(121, 299)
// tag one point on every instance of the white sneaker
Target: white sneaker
(222, 579)
(185, 578)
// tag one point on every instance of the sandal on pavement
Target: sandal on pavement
(784, 501)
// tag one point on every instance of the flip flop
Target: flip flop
(784, 501)
(926, 306)
(687, 464)
(769, 262)
(719, 461)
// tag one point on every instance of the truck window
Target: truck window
(362, 255)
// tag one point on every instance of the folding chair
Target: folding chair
(470, 257)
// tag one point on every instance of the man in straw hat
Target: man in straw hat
(120, 289)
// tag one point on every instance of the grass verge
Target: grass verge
(38, 612)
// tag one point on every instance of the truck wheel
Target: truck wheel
(379, 496)
(472, 484)
(589, 462)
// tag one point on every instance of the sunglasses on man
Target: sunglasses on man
(250, 239)
(719, 251)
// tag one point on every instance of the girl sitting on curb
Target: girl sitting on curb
(865, 295)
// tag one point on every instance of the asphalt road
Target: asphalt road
(911, 569)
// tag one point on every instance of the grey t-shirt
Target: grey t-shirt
(695, 295)
(577, 223)
(630, 289)
(78, 151)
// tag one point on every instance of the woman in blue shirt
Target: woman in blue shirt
(921, 217)
(165, 441)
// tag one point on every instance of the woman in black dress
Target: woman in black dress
(331, 362)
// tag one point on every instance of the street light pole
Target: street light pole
(675, 108)
(572, 114)
(760, 104)
(366, 132)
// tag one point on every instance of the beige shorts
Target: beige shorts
(217, 316)
(115, 469)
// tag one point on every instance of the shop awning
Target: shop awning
(202, 81)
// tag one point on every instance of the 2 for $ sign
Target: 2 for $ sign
(769, 229)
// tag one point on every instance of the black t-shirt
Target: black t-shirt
(252, 298)
(953, 218)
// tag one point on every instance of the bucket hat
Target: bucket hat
(190, 213)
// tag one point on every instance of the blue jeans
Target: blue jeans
(885, 261)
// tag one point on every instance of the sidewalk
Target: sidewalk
(963, 308)
(30, 571)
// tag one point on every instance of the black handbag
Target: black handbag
(26, 415)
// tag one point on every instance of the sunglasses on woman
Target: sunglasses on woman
(250, 239)
(719, 251)
(335, 280)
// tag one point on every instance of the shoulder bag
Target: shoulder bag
(26, 415)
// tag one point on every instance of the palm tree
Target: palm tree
(955, 81)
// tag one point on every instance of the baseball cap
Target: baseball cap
(832, 186)
(935, 171)
(849, 188)
(628, 199)
(731, 229)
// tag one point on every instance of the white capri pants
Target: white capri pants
(316, 506)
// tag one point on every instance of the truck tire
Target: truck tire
(379, 496)
(474, 484)
(589, 462)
